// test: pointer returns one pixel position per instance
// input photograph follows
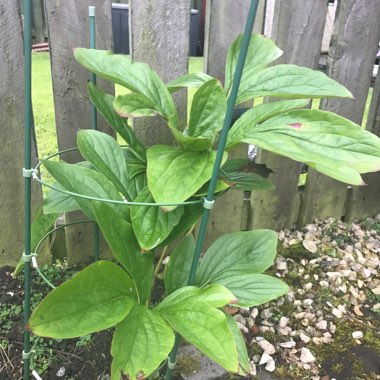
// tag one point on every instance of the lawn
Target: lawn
(43, 106)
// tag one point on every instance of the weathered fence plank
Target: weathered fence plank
(159, 36)
(12, 136)
(365, 200)
(68, 27)
(38, 18)
(225, 20)
(352, 54)
(298, 30)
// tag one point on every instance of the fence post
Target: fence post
(352, 54)
(225, 20)
(159, 36)
(298, 30)
(365, 200)
(11, 135)
(68, 27)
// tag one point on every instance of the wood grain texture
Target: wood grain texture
(365, 200)
(12, 136)
(352, 54)
(225, 20)
(68, 27)
(298, 30)
(159, 36)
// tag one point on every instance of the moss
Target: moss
(188, 364)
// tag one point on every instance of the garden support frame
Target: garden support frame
(28, 172)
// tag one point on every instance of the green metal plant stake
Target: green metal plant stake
(27, 173)
(209, 200)
(94, 114)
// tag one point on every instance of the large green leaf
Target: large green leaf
(96, 298)
(151, 224)
(175, 174)
(103, 151)
(57, 202)
(257, 115)
(240, 345)
(136, 76)
(207, 110)
(141, 342)
(237, 252)
(290, 81)
(246, 181)
(178, 268)
(206, 328)
(78, 179)
(194, 80)
(190, 216)
(134, 105)
(121, 239)
(104, 104)
(214, 295)
(325, 141)
(195, 144)
(247, 166)
(261, 52)
(253, 289)
(137, 173)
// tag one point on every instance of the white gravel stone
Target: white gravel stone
(239, 318)
(304, 338)
(310, 246)
(338, 313)
(286, 330)
(281, 265)
(324, 284)
(289, 344)
(366, 273)
(264, 358)
(376, 290)
(306, 356)
(307, 286)
(283, 322)
(252, 368)
(307, 302)
(267, 347)
(254, 313)
(271, 365)
(266, 313)
(321, 325)
(357, 334)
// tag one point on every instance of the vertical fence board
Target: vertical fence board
(12, 136)
(298, 30)
(352, 54)
(159, 36)
(38, 17)
(365, 200)
(68, 27)
(225, 21)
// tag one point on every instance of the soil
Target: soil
(90, 360)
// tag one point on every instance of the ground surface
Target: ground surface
(326, 327)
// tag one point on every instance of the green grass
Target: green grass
(43, 106)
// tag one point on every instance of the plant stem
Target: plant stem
(218, 161)
(162, 257)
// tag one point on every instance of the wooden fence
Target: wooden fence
(159, 36)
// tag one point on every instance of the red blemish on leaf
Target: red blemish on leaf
(295, 125)
(234, 301)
